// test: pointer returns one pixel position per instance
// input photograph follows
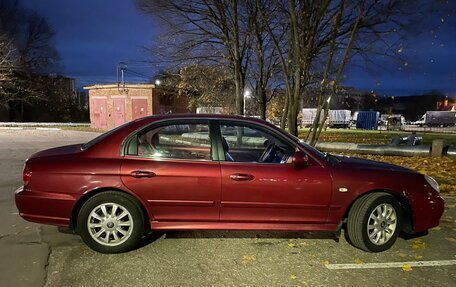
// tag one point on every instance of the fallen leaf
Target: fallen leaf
(451, 239)
(406, 268)
(418, 257)
(359, 261)
(246, 259)
(291, 245)
(293, 277)
(325, 262)
(418, 244)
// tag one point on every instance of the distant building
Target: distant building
(82, 99)
(346, 98)
(446, 105)
(414, 107)
(65, 84)
(111, 105)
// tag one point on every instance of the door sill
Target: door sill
(164, 225)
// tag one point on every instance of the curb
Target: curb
(30, 128)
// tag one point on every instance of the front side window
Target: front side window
(177, 141)
(246, 144)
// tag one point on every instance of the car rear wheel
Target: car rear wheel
(374, 222)
(111, 222)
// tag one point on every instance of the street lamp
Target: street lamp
(247, 94)
(158, 82)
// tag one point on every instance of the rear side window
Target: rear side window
(103, 136)
(176, 141)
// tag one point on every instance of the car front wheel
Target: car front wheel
(374, 222)
(111, 222)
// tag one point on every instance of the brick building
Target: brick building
(112, 105)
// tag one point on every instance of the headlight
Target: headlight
(432, 182)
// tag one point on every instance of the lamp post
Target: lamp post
(247, 94)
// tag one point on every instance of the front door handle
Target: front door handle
(142, 173)
(241, 177)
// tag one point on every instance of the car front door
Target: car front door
(260, 186)
(171, 167)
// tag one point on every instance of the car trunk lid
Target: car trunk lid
(57, 151)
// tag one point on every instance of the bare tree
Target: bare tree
(8, 64)
(254, 37)
(210, 30)
(323, 104)
(331, 32)
(264, 67)
(35, 45)
(26, 51)
(361, 28)
(301, 21)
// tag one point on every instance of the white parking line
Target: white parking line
(48, 129)
(391, 264)
(11, 128)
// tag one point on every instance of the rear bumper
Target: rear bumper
(45, 207)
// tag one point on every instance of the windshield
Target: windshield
(309, 147)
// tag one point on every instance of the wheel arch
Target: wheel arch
(83, 199)
(407, 212)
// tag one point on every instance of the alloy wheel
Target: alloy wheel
(110, 224)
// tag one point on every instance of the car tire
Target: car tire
(374, 222)
(111, 222)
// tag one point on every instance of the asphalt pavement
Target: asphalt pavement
(39, 255)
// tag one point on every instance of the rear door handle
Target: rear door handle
(242, 177)
(142, 173)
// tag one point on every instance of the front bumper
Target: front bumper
(45, 207)
(428, 211)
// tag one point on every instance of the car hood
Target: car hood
(57, 151)
(359, 163)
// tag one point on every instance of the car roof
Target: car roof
(164, 117)
(202, 116)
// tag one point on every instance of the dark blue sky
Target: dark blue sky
(92, 36)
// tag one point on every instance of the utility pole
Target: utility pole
(122, 66)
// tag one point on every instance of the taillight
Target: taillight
(26, 175)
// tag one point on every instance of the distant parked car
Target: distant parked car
(177, 172)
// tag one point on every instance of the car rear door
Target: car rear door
(270, 192)
(176, 171)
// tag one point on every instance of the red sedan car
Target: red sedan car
(180, 172)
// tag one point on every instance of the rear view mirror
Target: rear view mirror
(300, 160)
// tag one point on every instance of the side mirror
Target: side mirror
(300, 160)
